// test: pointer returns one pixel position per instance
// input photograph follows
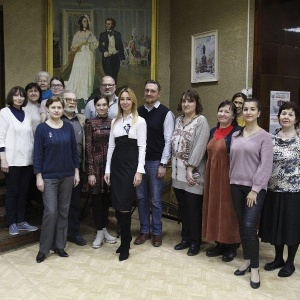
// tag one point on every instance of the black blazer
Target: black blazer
(104, 43)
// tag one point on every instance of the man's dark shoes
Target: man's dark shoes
(61, 252)
(142, 238)
(182, 245)
(274, 265)
(230, 253)
(156, 240)
(40, 257)
(286, 271)
(216, 251)
(78, 240)
(193, 250)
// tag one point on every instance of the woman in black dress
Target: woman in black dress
(125, 162)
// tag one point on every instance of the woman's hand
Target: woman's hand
(40, 182)
(4, 164)
(189, 176)
(251, 198)
(76, 177)
(92, 180)
(107, 178)
(137, 179)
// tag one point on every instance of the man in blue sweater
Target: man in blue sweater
(160, 127)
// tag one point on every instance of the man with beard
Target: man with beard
(160, 127)
(77, 121)
(107, 88)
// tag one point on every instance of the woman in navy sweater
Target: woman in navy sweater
(56, 167)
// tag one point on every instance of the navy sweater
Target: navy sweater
(55, 151)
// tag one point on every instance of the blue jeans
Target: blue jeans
(149, 193)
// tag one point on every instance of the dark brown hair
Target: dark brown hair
(193, 95)
(294, 107)
(98, 97)
(232, 108)
(15, 90)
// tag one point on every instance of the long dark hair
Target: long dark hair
(258, 105)
(80, 22)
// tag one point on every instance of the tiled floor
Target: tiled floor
(149, 273)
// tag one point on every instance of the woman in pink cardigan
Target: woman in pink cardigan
(251, 161)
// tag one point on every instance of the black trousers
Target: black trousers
(190, 206)
(248, 219)
(100, 206)
(111, 66)
(74, 211)
(17, 184)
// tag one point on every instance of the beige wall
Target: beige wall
(230, 19)
(25, 38)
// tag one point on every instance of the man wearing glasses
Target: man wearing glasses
(160, 127)
(107, 88)
(77, 121)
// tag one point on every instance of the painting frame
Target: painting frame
(50, 38)
(204, 57)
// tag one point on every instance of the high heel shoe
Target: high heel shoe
(240, 273)
(255, 285)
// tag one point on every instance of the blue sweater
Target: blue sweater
(55, 151)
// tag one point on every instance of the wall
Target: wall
(24, 40)
(230, 19)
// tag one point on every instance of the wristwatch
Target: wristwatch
(163, 165)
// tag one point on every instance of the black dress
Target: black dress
(124, 164)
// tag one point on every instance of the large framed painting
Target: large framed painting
(204, 59)
(78, 39)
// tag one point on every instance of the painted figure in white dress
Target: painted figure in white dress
(84, 43)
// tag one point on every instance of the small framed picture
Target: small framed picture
(204, 60)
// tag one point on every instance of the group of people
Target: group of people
(225, 180)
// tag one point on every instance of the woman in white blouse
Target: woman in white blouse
(125, 162)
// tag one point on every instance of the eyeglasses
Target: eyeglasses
(108, 85)
(56, 86)
(70, 100)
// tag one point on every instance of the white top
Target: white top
(17, 138)
(138, 131)
(33, 110)
(90, 110)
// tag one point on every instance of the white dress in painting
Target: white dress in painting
(81, 79)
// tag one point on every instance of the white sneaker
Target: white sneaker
(99, 239)
(108, 238)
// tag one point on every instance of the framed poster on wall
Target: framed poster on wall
(204, 57)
